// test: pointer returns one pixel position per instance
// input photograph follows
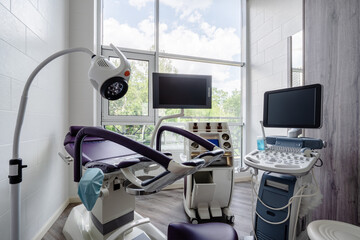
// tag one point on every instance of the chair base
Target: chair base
(79, 226)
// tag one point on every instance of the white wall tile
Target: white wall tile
(30, 218)
(269, 40)
(280, 64)
(7, 125)
(16, 92)
(270, 83)
(272, 8)
(261, 31)
(5, 3)
(258, 59)
(292, 26)
(276, 51)
(14, 64)
(47, 8)
(6, 154)
(253, 49)
(256, 9)
(12, 30)
(284, 16)
(35, 46)
(4, 201)
(257, 22)
(5, 93)
(30, 16)
(29, 33)
(261, 71)
(34, 2)
(254, 88)
(5, 226)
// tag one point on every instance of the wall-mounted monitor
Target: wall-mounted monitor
(181, 91)
(298, 107)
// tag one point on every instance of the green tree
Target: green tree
(135, 101)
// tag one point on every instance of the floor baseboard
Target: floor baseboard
(51, 221)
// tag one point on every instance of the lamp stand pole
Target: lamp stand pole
(15, 164)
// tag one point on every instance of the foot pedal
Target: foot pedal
(203, 211)
(215, 209)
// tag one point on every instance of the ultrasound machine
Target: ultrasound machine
(288, 189)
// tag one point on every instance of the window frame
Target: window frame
(107, 119)
(154, 56)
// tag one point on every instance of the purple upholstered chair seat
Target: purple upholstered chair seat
(103, 154)
(206, 231)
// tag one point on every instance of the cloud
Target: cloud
(187, 7)
(194, 17)
(123, 35)
(223, 76)
(139, 3)
(218, 43)
(212, 42)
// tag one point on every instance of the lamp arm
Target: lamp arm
(24, 97)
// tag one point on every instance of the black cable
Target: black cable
(321, 163)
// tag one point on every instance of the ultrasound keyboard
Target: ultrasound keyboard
(286, 160)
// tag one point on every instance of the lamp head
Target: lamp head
(110, 81)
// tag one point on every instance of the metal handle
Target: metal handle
(67, 159)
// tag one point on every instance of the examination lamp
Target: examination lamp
(110, 81)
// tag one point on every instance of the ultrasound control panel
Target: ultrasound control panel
(289, 161)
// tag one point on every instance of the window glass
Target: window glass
(143, 133)
(208, 29)
(129, 24)
(297, 69)
(136, 100)
(226, 94)
(236, 135)
(139, 133)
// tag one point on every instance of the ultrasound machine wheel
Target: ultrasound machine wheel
(194, 221)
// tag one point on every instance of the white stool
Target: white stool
(332, 230)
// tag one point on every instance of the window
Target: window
(208, 29)
(189, 37)
(296, 58)
(129, 24)
(136, 105)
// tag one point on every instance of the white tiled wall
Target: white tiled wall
(270, 23)
(31, 30)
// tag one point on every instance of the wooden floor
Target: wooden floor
(167, 206)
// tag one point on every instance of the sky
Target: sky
(201, 28)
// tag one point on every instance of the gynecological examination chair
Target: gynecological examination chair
(105, 166)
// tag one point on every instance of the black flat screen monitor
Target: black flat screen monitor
(181, 91)
(298, 107)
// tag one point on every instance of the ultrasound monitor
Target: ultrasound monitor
(181, 91)
(298, 107)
